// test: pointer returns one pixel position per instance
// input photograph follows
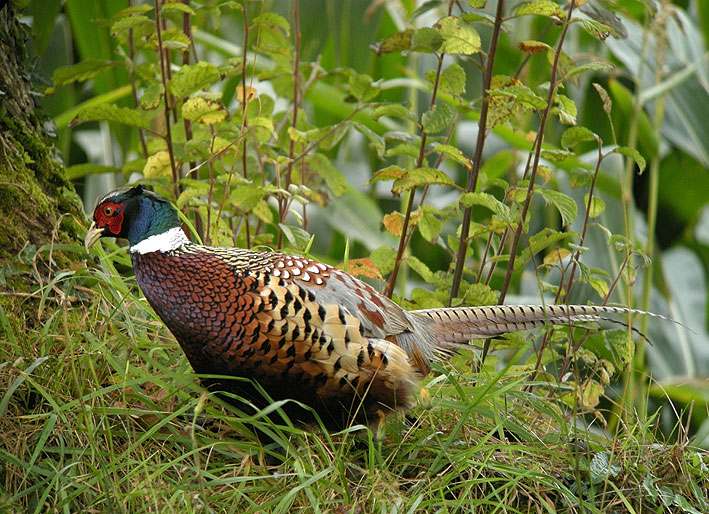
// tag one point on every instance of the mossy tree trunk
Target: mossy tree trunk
(38, 205)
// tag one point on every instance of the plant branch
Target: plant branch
(477, 157)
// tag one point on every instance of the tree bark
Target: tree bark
(38, 205)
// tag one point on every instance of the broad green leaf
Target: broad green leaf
(564, 204)
(595, 28)
(429, 225)
(421, 177)
(575, 135)
(392, 172)
(263, 128)
(437, 119)
(597, 206)
(204, 110)
(395, 43)
(541, 8)
(565, 108)
(426, 39)
(394, 111)
(78, 171)
(126, 23)
(246, 197)
(419, 267)
(547, 237)
(179, 7)
(458, 36)
(375, 139)
(579, 177)
(79, 72)
(362, 89)
(453, 80)
(454, 154)
(384, 258)
(488, 201)
(271, 19)
(296, 236)
(477, 4)
(136, 9)
(556, 155)
(522, 95)
(633, 154)
(403, 149)
(110, 112)
(334, 179)
(151, 97)
(191, 78)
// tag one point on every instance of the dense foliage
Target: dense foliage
(452, 153)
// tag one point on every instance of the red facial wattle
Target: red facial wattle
(109, 215)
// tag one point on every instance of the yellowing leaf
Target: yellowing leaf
(555, 256)
(458, 36)
(533, 47)
(204, 110)
(158, 165)
(245, 94)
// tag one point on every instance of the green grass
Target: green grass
(102, 413)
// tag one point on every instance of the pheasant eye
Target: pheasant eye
(108, 210)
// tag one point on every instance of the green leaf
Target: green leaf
(541, 8)
(335, 181)
(437, 119)
(591, 66)
(384, 258)
(546, 238)
(597, 206)
(488, 201)
(78, 171)
(192, 78)
(419, 267)
(426, 39)
(453, 80)
(633, 154)
(458, 36)
(110, 112)
(395, 43)
(454, 154)
(565, 109)
(246, 197)
(575, 135)
(151, 97)
(595, 28)
(394, 111)
(362, 89)
(128, 22)
(179, 7)
(421, 177)
(296, 236)
(80, 72)
(204, 110)
(392, 172)
(375, 139)
(429, 225)
(522, 95)
(555, 155)
(563, 203)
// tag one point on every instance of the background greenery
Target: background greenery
(350, 131)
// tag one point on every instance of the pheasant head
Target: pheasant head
(147, 220)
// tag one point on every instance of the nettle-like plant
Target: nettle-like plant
(232, 141)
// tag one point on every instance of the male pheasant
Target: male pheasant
(299, 328)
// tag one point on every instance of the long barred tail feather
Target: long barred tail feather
(459, 324)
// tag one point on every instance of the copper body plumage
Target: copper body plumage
(294, 327)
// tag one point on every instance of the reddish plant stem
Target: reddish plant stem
(131, 74)
(284, 203)
(532, 176)
(166, 97)
(477, 156)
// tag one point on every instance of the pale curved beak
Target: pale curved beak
(92, 235)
